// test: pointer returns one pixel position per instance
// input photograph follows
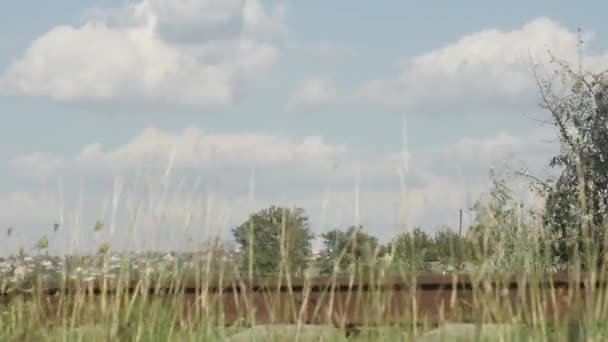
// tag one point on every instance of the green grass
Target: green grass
(506, 240)
(140, 316)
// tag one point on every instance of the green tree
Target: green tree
(577, 200)
(450, 248)
(275, 239)
(505, 235)
(347, 249)
(494, 222)
(412, 251)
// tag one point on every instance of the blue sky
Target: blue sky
(296, 96)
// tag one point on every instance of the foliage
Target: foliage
(104, 248)
(99, 225)
(352, 248)
(495, 217)
(42, 243)
(450, 248)
(505, 234)
(411, 251)
(275, 237)
(577, 201)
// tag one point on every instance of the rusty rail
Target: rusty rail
(415, 299)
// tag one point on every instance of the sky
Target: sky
(173, 120)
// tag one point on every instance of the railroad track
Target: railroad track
(415, 299)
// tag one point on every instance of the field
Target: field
(528, 265)
(177, 298)
(500, 280)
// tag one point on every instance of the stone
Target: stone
(469, 332)
(287, 332)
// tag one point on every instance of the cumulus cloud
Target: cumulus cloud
(27, 208)
(423, 187)
(502, 150)
(132, 219)
(195, 53)
(486, 69)
(191, 149)
(312, 94)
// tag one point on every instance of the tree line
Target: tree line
(568, 232)
(279, 239)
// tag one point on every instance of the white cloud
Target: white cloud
(195, 53)
(438, 182)
(487, 69)
(192, 149)
(22, 207)
(312, 94)
(153, 219)
(467, 155)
